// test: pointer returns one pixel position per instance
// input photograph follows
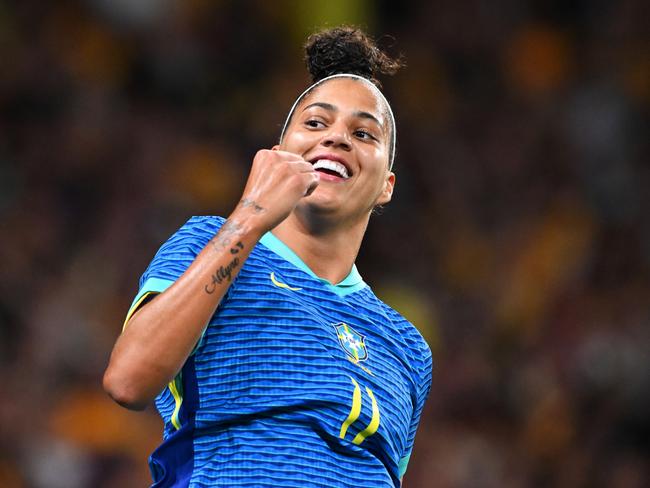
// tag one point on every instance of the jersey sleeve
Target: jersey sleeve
(173, 258)
(422, 374)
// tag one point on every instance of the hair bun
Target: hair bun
(347, 50)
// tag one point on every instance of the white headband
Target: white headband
(356, 77)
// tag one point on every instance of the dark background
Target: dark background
(518, 240)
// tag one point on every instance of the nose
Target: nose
(337, 136)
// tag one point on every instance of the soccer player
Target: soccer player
(271, 361)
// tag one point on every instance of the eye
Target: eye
(364, 134)
(314, 123)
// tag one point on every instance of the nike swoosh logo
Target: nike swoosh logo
(282, 285)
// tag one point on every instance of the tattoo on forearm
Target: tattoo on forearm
(226, 235)
(224, 272)
(239, 246)
(247, 202)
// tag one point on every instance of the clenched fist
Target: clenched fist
(277, 181)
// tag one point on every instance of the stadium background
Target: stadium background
(518, 240)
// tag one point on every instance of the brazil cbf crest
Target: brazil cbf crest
(352, 342)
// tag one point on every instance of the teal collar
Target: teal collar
(351, 283)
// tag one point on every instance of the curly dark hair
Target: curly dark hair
(347, 49)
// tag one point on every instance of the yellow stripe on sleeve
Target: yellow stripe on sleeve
(136, 306)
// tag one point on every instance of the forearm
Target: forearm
(160, 336)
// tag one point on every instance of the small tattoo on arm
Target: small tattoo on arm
(225, 236)
(222, 273)
(247, 202)
(219, 243)
(228, 233)
(237, 248)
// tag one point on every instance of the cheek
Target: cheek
(376, 161)
(296, 139)
(380, 169)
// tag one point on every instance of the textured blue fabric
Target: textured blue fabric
(267, 393)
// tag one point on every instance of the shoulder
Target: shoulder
(198, 230)
(405, 335)
(201, 225)
(181, 248)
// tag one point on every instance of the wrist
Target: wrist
(248, 222)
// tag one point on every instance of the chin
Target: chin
(320, 203)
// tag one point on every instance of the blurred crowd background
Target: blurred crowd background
(518, 240)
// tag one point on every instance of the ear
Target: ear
(387, 192)
(276, 147)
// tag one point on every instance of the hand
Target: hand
(276, 183)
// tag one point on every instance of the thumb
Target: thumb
(312, 186)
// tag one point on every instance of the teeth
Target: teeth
(332, 166)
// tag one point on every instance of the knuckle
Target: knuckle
(261, 153)
(264, 157)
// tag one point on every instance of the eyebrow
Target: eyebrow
(332, 108)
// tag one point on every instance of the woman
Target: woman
(271, 362)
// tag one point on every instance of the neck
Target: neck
(329, 251)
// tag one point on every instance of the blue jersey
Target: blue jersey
(295, 382)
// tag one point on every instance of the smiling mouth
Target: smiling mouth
(332, 168)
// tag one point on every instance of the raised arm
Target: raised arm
(160, 336)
